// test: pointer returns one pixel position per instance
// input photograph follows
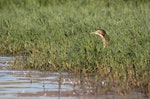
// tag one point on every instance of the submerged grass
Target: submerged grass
(55, 35)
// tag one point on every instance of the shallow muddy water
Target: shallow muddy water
(21, 84)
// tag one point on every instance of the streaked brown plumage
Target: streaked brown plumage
(103, 36)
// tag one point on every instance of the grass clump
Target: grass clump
(55, 35)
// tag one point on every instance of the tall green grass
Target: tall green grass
(55, 35)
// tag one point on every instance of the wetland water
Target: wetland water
(21, 84)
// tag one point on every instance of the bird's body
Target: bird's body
(103, 36)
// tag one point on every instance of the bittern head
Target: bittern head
(101, 33)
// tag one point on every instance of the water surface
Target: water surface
(24, 84)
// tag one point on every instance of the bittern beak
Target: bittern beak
(92, 33)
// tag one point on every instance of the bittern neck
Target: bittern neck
(105, 42)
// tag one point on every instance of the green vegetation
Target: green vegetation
(54, 35)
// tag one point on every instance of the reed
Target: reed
(54, 35)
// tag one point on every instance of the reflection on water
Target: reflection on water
(14, 82)
(20, 84)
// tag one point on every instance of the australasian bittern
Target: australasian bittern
(103, 36)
